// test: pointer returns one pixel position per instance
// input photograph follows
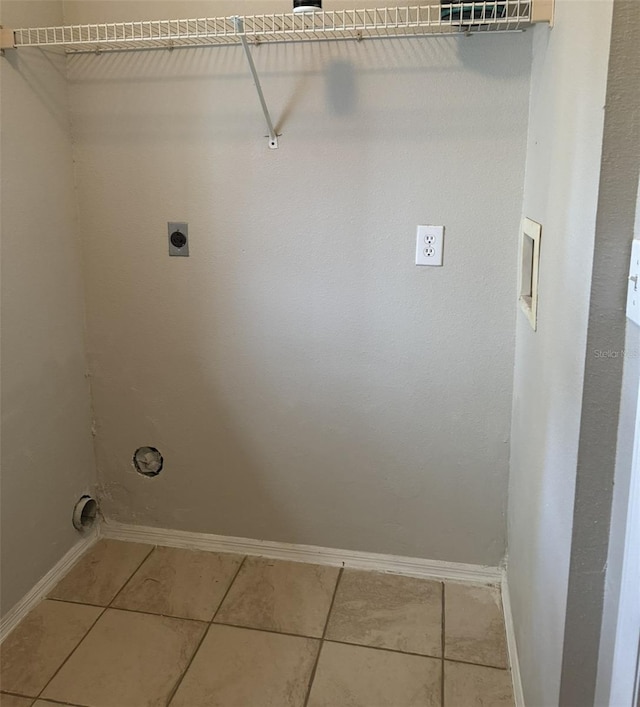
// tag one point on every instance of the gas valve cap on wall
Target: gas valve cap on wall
(178, 238)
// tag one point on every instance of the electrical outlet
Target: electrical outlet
(429, 245)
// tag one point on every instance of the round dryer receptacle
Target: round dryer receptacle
(178, 239)
(85, 513)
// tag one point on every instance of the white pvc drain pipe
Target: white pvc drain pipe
(84, 513)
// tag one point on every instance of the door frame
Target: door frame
(625, 675)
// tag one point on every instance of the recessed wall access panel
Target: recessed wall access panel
(528, 276)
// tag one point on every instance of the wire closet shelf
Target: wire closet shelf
(415, 21)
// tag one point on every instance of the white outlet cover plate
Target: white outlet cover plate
(633, 286)
(429, 245)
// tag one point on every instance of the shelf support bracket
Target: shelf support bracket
(273, 138)
(7, 39)
(542, 11)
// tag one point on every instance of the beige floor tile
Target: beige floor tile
(369, 677)
(476, 685)
(388, 611)
(127, 660)
(101, 573)
(13, 701)
(40, 644)
(46, 703)
(239, 667)
(188, 584)
(281, 596)
(474, 625)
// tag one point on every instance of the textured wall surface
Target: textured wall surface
(303, 379)
(568, 88)
(47, 455)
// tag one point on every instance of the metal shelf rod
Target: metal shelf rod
(273, 138)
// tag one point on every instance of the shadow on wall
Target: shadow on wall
(338, 62)
(33, 65)
(341, 87)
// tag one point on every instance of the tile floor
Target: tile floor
(140, 626)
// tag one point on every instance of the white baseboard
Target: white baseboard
(512, 647)
(13, 617)
(410, 566)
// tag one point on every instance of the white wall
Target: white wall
(568, 86)
(303, 379)
(47, 455)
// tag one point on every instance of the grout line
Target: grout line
(283, 633)
(135, 611)
(231, 583)
(66, 660)
(442, 649)
(333, 600)
(286, 633)
(384, 650)
(57, 702)
(478, 665)
(322, 639)
(104, 608)
(172, 694)
(75, 601)
(46, 584)
(265, 630)
(31, 697)
(146, 557)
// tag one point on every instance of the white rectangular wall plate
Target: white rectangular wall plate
(429, 245)
(633, 285)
